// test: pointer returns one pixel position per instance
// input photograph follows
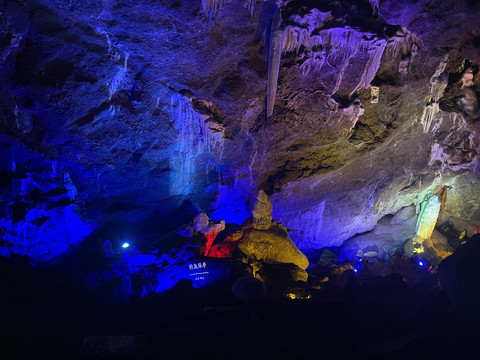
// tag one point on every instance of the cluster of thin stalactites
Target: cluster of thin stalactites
(320, 45)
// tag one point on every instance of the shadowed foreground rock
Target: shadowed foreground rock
(459, 276)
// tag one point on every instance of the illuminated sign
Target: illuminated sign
(198, 275)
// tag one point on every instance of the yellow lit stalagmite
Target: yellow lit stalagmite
(431, 207)
(264, 241)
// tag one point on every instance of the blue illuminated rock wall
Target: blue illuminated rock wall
(94, 125)
(40, 214)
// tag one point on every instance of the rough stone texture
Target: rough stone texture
(262, 212)
(272, 246)
(388, 235)
(298, 274)
(41, 212)
(440, 245)
(156, 113)
(201, 223)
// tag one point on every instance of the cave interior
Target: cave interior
(209, 179)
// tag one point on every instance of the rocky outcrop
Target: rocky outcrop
(42, 215)
(210, 229)
(390, 233)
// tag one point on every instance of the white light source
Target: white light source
(125, 245)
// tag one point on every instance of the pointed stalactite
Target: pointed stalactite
(275, 45)
(375, 51)
(438, 83)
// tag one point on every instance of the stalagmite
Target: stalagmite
(262, 212)
(430, 208)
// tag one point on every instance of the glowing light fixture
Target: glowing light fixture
(125, 245)
(421, 263)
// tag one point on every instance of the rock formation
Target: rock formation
(262, 212)
(269, 244)
(201, 223)
(430, 208)
(159, 110)
(272, 246)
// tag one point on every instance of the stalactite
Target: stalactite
(274, 57)
(197, 148)
(374, 5)
(296, 36)
(121, 80)
(333, 41)
(210, 7)
(329, 43)
(251, 5)
(403, 47)
(438, 83)
(371, 68)
(319, 45)
(429, 113)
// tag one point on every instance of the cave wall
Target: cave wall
(126, 118)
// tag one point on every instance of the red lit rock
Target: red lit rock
(222, 250)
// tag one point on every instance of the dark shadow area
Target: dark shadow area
(51, 313)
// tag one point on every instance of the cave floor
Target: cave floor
(46, 315)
